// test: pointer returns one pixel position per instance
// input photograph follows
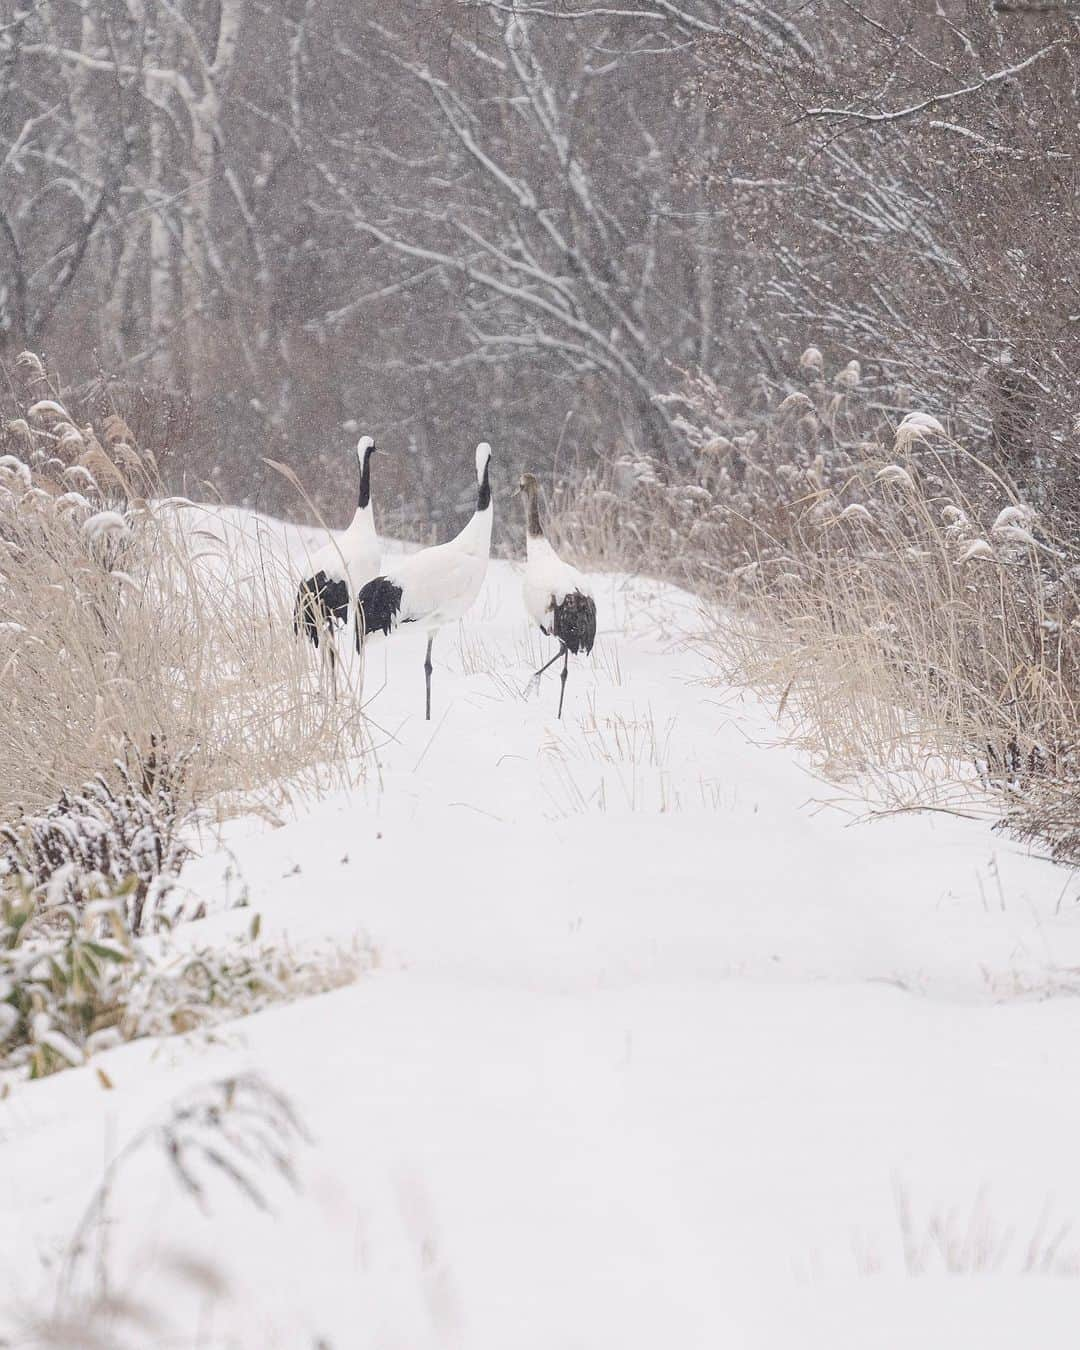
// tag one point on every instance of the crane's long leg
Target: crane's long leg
(534, 679)
(327, 658)
(544, 667)
(562, 678)
(427, 677)
(331, 660)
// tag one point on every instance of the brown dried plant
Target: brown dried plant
(134, 625)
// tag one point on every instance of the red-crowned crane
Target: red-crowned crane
(557, 596)
(436, 585)
(340, 567)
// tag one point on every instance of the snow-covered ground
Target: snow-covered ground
(660, 1049)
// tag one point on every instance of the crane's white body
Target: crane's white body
(436, 585)
(548, 581)
(557, 596)
(354, 556)
(439, 584)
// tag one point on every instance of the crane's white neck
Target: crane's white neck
(537, 546)
(363, 521)
(476, 536)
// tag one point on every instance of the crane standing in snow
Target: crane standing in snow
(436, 585)
(557, 596)
(338, 569)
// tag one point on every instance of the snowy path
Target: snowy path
(653, 1040)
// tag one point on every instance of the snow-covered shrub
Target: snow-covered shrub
(62, 983)
(122, 838)
(75, 980)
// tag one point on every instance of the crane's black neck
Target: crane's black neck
(365, 479)
(483, 495)
(536, 530)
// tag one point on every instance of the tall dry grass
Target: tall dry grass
(903, 605)
(136, 628)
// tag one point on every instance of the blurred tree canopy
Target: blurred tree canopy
(258, 227)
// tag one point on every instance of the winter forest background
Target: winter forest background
(254, 228)
(725, 1001)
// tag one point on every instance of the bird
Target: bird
(340, 567)
(557, 596)
(436, 585)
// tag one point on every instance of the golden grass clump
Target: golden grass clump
(136, 627)
(898, 597)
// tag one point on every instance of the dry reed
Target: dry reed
(904, 606)
(135, 627)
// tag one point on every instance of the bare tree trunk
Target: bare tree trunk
(161, 251)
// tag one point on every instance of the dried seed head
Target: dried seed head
(917, 426)
(893, 473)
(70, 436)
(14, 470)
(36, 499)
(812, 359)
(1014, 515)
(104, 525)
(116, 429)
(49, 411)
(978, 548)
(1015, 534)
(126, 455)
(849, 377)
(100, 465)
(797, 402)
(79, 473)
(31, 364)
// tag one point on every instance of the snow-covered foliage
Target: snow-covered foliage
(75, 980)
(63, 982)
(123, 837)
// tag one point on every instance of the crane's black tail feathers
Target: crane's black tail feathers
(321, 604)
(378, 605)
(574, 622)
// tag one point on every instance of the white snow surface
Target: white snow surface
(658, 1035)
